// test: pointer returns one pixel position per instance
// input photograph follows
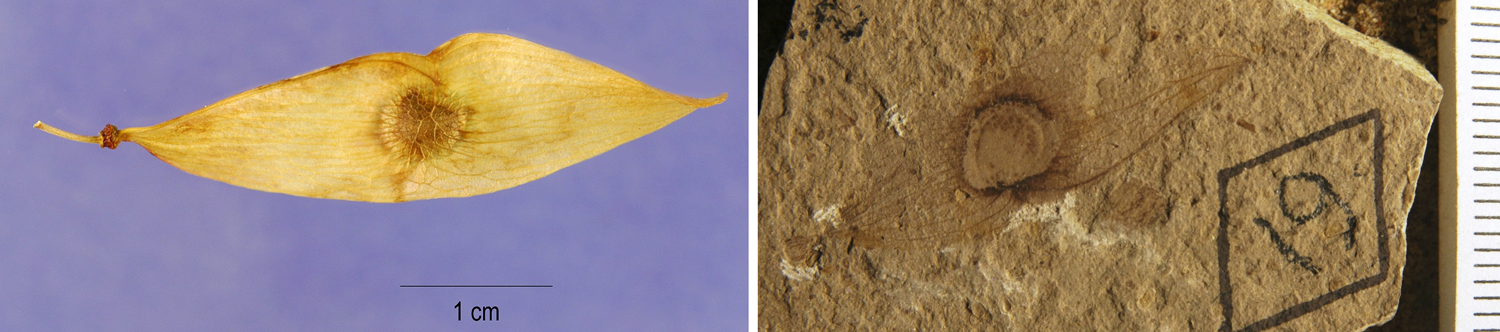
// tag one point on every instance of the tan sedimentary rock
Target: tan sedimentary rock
(1079, 166)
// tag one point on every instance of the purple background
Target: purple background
(650, 236)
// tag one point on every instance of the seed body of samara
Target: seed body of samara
(481, 113)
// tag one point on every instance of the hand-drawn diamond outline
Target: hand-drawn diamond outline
(1226, 291)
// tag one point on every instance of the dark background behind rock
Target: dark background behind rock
(1410, 25)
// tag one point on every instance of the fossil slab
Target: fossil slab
(1077, 166)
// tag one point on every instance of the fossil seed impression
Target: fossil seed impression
(1008, 143)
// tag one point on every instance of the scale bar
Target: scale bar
(476, 286)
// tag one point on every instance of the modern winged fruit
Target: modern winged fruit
(481, 113)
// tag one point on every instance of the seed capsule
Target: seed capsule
(481, 113)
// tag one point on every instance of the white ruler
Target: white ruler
(1476, 156)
